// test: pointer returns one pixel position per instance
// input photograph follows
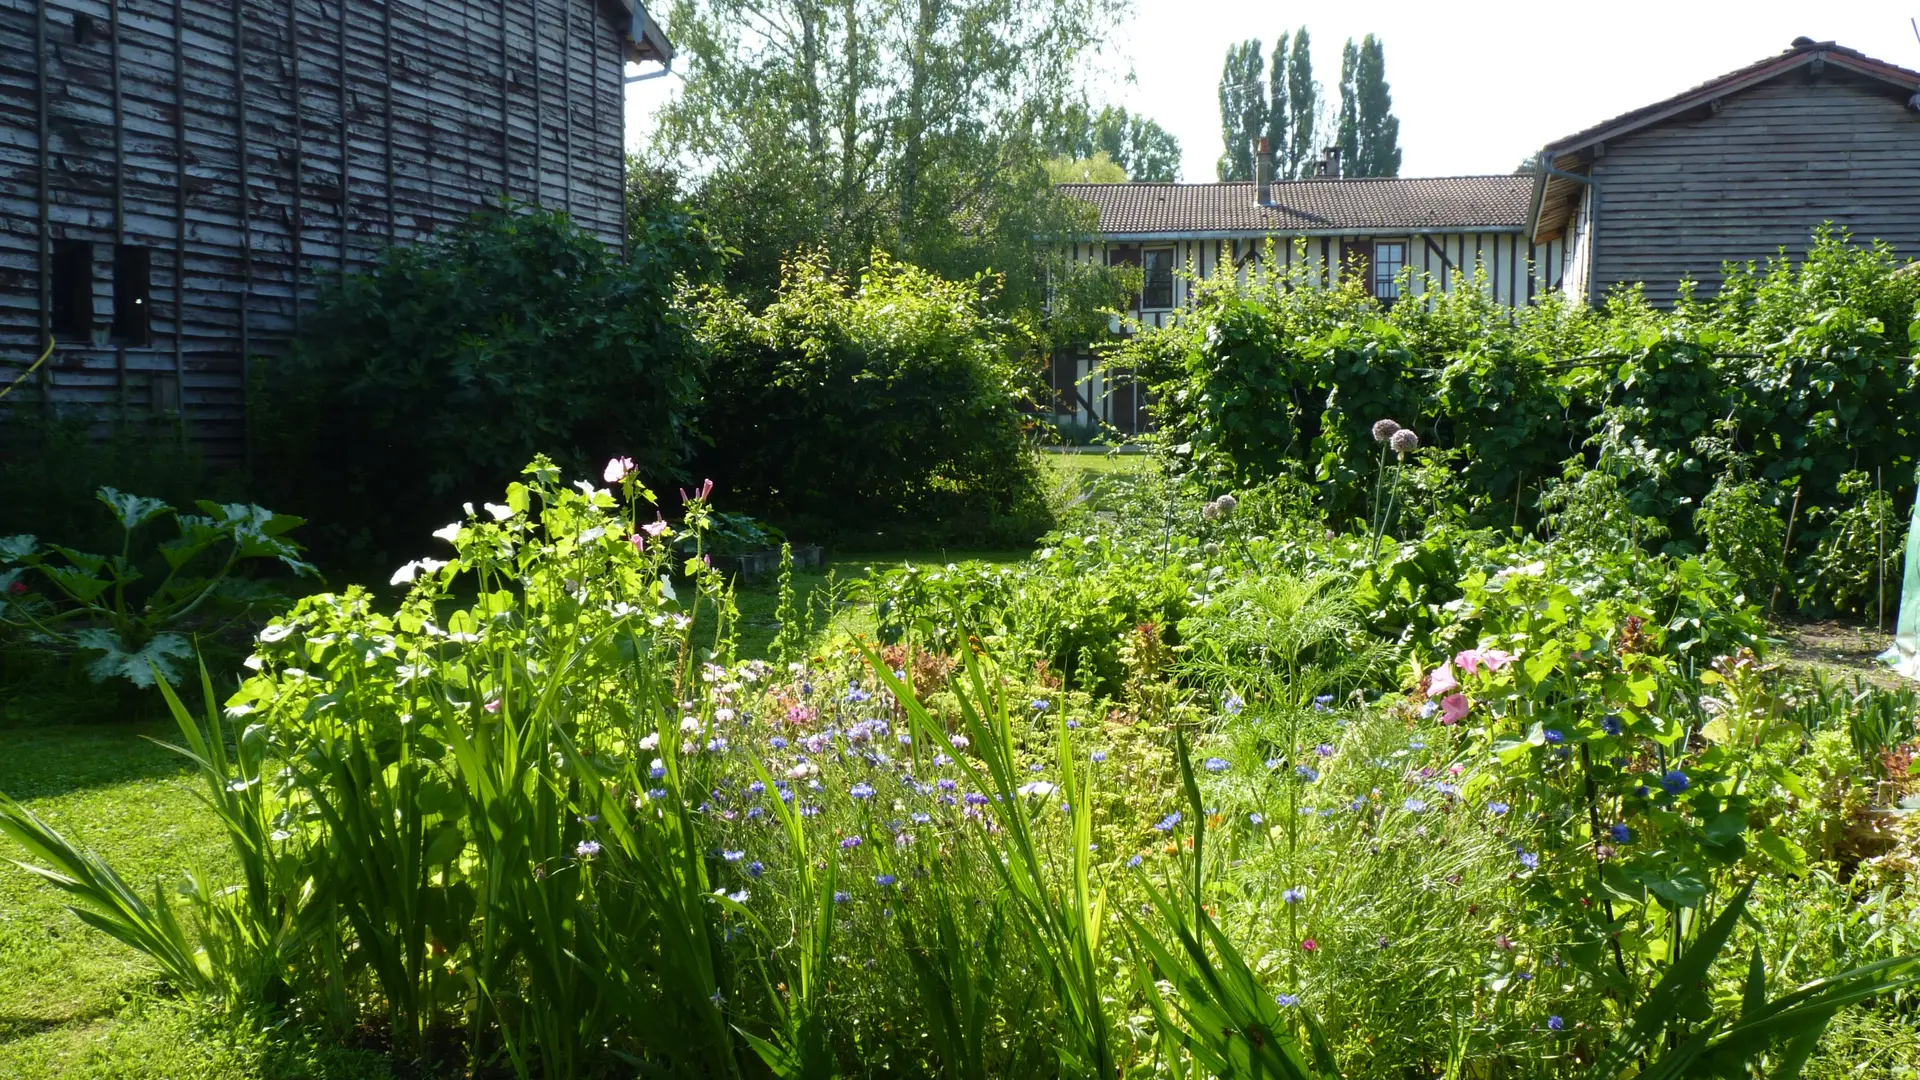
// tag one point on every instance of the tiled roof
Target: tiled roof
(1802, 52)
(1442, 203)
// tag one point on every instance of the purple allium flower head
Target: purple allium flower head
(1384, 429)
(1404, 442)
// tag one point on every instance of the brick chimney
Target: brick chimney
(1263, 174)
(1330, 163)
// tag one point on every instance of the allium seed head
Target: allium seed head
(1404, 441)
(1384, 429)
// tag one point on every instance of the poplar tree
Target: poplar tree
(1277, 114)
(1303, 102)
(1369, 137)
(1243, 109)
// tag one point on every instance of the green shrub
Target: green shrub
(429, 380)
(878, 404)
(1859, 547)
(1739, 521)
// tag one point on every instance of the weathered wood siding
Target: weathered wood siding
(1679, 198)
(1514, 271)
(255, 147)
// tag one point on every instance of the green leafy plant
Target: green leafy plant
(110, 605)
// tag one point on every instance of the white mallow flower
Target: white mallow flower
(275, 632)
(723, 715)
(652, 741)
(468, 507)
(405, 573)
(1038, 787)
(449, 533)
(802, 771)
(592, 534)
(500, 513)
(689, 724)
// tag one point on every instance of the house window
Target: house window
(72, 313)
(132, 294)
(1157, 293)
(1389, 258)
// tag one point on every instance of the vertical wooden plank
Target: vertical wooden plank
(246, 190)
(506, 109)
(386, 113)
(119, 193)
(346, 164)
(180, 215)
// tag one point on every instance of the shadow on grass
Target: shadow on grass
(41, 762)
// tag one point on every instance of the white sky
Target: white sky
(1477, 84)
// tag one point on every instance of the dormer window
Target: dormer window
(1156, 294)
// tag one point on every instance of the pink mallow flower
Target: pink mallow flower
(654, 528)
(618, 469)
(1442, 681)
(1454, 708)
(1471, 660)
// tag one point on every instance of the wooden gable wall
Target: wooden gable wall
(254, 147)
(1757, 173)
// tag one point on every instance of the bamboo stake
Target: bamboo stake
(1785, 546)
(1879, 552)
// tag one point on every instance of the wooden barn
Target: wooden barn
(177, 176)
(1735, 170)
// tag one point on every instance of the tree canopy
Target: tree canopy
(1369, 136)
(1287, 111)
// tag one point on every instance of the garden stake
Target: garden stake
(1785, 546)
(1879, 551)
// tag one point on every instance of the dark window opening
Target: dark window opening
(82, 29)
(1389, 259)
(1157, 292)
(72, 313)
(132, 294)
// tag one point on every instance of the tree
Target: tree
(1369, 132)
(1303, 104)
(1243, 109)
(1277, 115)
(1098, 169)
(1142, 148)
(913, 128)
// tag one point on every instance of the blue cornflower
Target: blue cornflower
(756, 812)
(1274, 762)
(809, 810)
(841, 898)
(884, 881)
(1135, 861)
(1529, 860)
(587, 849)
(1675, 782)
(1611, 724)
(756, 868)
(861, 791)
(1306, 772)
(1098, 756)
(657, 793)
(1041, 705)
(974, 798)
(1167, 823)
(1232, 704)
(1497, 808)
(658, 770)
(921, 818)
(1417, 744)
(1413, 806)
(855, 695)
(716, 998)
(1554, 1023)
(1255, 819)
(1286, 1001)
(1073, 725)
(1555, 737)
(850, 842)
(1324, 749)
(733, 856)
(756, 788)
(1216, 765)
(1621, 834)
(947, 783)
(1294, 895)
(942, 760)
(778, 742)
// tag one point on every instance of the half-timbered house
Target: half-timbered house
(177, 175)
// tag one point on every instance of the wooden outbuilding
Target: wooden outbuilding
(177, 176)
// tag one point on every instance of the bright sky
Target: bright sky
(1477, 84)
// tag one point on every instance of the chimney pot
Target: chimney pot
(1330, 163)
(1263, 174)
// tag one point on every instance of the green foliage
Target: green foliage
(1859, 549)
(111, 605)
(1740, 523)
(1243, 109)
(1369, 133)
(430, 379)
(1144, 151)
(854, 406)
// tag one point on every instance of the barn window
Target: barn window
(1389, 258)
(1157, 293)
(72, 314)
(132, 294)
